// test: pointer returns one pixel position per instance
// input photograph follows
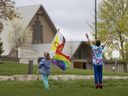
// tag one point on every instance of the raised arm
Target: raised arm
(106, 40)
(88, 39)
(37, 71)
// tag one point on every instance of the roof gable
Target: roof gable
(28, 12)
(69, 49)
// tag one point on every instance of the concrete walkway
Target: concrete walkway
(55, 77)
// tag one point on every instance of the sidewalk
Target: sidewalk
(56, 77)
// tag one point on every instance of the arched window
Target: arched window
(37, 32)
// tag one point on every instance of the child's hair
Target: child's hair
(46, 55)
(98, 42)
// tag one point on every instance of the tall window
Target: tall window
(37, 32)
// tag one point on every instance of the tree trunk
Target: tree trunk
(123, 56)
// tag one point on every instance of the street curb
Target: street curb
(55, 77)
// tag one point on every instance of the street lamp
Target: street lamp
(95, 19)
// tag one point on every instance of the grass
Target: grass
(12, 68)
(63, 88)
(58, 88)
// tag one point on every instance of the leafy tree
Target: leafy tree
(112, 19)
(7, 11)
(126, 51)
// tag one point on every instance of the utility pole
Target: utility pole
(95, 19)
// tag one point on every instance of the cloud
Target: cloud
(71, 16)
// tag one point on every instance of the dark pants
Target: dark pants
(98, 74)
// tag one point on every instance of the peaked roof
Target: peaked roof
(28, 12)
(69, 49)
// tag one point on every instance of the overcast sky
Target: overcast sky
(72, 17)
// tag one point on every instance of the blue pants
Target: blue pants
(98, 74)
(45, 81)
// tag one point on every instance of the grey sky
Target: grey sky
(72, 17)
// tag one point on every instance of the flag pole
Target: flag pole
(48, 49)
(52, 40)
(95, 19)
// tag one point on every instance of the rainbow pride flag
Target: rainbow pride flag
(59, 58)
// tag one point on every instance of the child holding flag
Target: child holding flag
(97, 50)
(44, 69)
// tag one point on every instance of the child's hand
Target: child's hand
(37, 72)
(86, 35)
(110, 36)
(38, 78)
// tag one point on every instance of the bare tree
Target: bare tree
(19, 35)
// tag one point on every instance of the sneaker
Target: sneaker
(97, 86)
(101, 86)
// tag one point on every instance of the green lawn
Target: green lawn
(58, 88)
(63, 88)
(12, 68)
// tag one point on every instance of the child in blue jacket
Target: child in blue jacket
(44, 69)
